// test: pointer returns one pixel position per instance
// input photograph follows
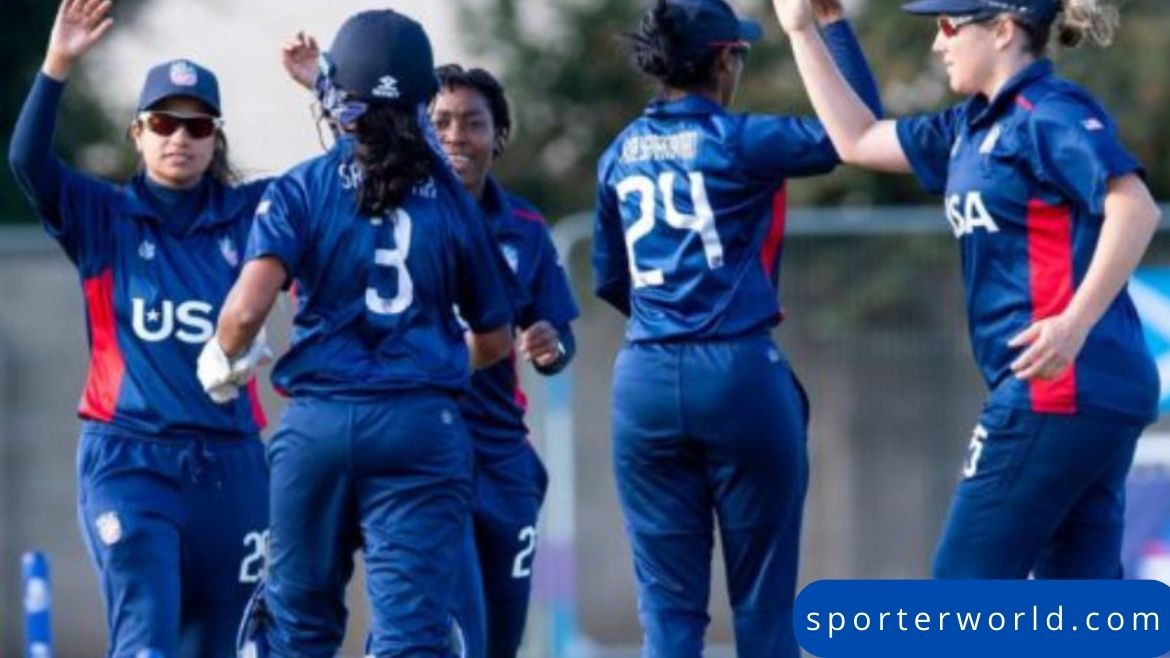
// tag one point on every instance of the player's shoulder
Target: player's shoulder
(523, 211)
(1059, 100)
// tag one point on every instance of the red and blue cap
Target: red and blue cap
(705, 23)
(1033, 12)
(180, 77)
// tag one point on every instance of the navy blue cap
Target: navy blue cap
(705, 23)
(180, 77)
(1034, 12)
(381, 55)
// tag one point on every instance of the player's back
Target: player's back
(375, 295)
(697, 197)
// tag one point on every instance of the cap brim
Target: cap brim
(749, 30)
(948, 7)
(149, 103)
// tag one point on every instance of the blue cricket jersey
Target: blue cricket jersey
(691, 210)
(495, 405)
(376, 296)
(155, 266)
(1025, 178)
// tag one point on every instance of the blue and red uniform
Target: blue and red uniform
(1025, 177)
(707, 415)
(158, 462)
(510, 480)
(372, 451)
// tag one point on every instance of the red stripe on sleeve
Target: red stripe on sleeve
(775, 238)
(103, 383)
(1050, 268)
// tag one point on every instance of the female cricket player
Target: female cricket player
(471, 118)
(1052, 216)
(172, 486)
(708, 418)
(382, 244)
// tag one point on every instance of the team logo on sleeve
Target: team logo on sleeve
(146, 250)
(109, 528)
(1093, 124)
(227, 247)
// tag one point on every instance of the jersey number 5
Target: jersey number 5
(396, 259)
(701, 222)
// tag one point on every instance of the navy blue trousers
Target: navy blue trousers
(390, 476)
(176, 528)
(1041, 494)
(501, 544)
(705, 434)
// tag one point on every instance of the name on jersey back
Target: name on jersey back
(675, 146)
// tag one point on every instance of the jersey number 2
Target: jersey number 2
(394, 258)
(701, 222)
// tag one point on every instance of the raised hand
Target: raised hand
(79, 25)
(795, 15)
(299, 56)
(827, 11)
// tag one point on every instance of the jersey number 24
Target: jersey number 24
(702, 221)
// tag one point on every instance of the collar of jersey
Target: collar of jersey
(219, 206)
(983, 112)
(494, 202)
(690, 104)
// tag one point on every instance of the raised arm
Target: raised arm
(857, 134)
(846, 53)
(79, 25)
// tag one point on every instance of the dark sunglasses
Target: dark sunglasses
(950, 25)
(198, 126)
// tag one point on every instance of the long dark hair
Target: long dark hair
(393, 154)
(654, 50)
(221, 169)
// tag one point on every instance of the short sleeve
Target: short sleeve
(280, 227)
(80, 223)
(927, 141)
(483, 290)
(552, 296)
(611, 269)
(1076, 149)
(776, 147)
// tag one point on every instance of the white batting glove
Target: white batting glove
(214, 370)
(257, 354)
(222, 377)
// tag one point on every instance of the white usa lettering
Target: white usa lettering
(967, 213)
(157, 324)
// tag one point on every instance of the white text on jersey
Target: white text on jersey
(967, 213)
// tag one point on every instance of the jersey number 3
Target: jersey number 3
(395, 259)
(701, 222)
